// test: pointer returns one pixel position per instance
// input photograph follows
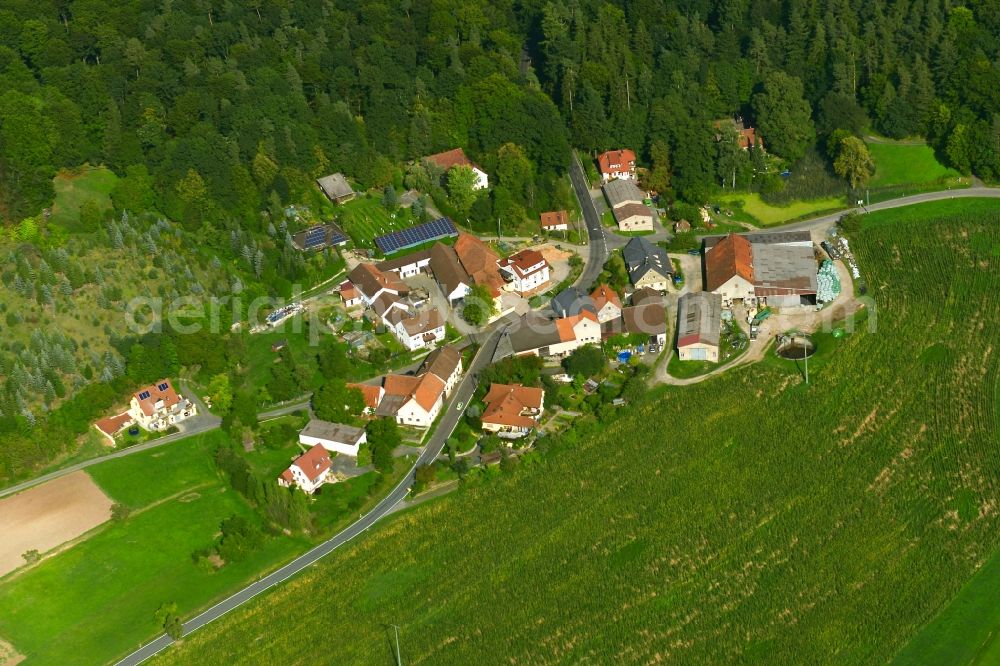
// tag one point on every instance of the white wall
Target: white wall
(334, 447)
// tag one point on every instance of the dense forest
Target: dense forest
(213, 110)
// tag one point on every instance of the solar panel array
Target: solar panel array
(322, 236)
(415, 235)
(143, 395)
(162, 387)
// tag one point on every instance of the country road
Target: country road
(433, 447)
(595, 230)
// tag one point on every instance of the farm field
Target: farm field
(97, 599)
(764, 214)
(906, 164)
(773, 523)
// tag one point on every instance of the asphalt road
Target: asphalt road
(595, 230)
(432, 448)
(203, 422)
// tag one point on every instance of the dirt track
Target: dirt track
(48, 515)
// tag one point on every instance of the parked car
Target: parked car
(694, 253)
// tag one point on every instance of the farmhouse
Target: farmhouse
(605, 299)
(456, 157)
(617, 164)
(159, 406)
(537, 335)
(634, 217)
(776, 269)
(412, 401)
(526, 272)
(334, 437)
(556, 220)
(336, 188)
(699, 318)
(445, 363)
(408, 265)
(648, 265)
(512, 410)
(623, 192)
(455, 283)
(309, 471)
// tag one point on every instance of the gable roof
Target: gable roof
(567, 325)
(524, 262)
(480, 262)
(554, 218)
(370, 280)
(571, 301)
(333, 432)
(425, 389)
(620, 192)
(512, 405)
(604, 295)
(624, 160)
(372, 394)
(386, 302)
(641, 257)
(649, 319)
(406, 260)
(628, 210)
(348, 291)
(699, 318)
(442, 362)
(335, 186)
(450, 158)
(731, 256)
(148, 396)
(447, 268)
(313, 462)
(646, 295)
(423, 321)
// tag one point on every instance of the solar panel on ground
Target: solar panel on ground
(421, 233)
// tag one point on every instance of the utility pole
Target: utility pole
(805, 354)
(399, 659)
(498, 229)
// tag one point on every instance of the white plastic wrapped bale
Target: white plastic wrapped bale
(827, 283)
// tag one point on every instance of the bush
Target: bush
(120, 512)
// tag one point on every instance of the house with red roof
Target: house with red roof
(456, 157)
(512, 410)
(555, 220)
(158, 406)
(617, 164)
(372, 394)
(412, 400)
(526, 272)
(349, 294)
(607, 303)
(309, 471)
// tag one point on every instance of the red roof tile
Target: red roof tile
(733, 255)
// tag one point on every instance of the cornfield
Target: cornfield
(747, 519)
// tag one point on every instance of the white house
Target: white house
(634, 217)
(158, 406)
(512, 410)
(412, 401)
(416, 330)
(408, 265)
(617, 164)
(525, 272)
(449, 273)
(371, 283)
(309, 471)
(555, 220)
(456, 158)
(445, 363)
(729, 270)
(334, 437)
(537, 335)
(607, 302)
(349, 294)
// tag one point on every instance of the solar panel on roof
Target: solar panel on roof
(143, 395)
(162, 387)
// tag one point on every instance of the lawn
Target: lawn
(74, 189)
(906, 164)
(365, 218)
(765, 215)
(96, 600)
(745, 519)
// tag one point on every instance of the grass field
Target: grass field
(74, 189)
(365, 218)
(906, 164)
(96, 600)
(745, 519)
(764, 214)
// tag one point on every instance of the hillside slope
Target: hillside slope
(745, 519)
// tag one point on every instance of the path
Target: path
(462, 394)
